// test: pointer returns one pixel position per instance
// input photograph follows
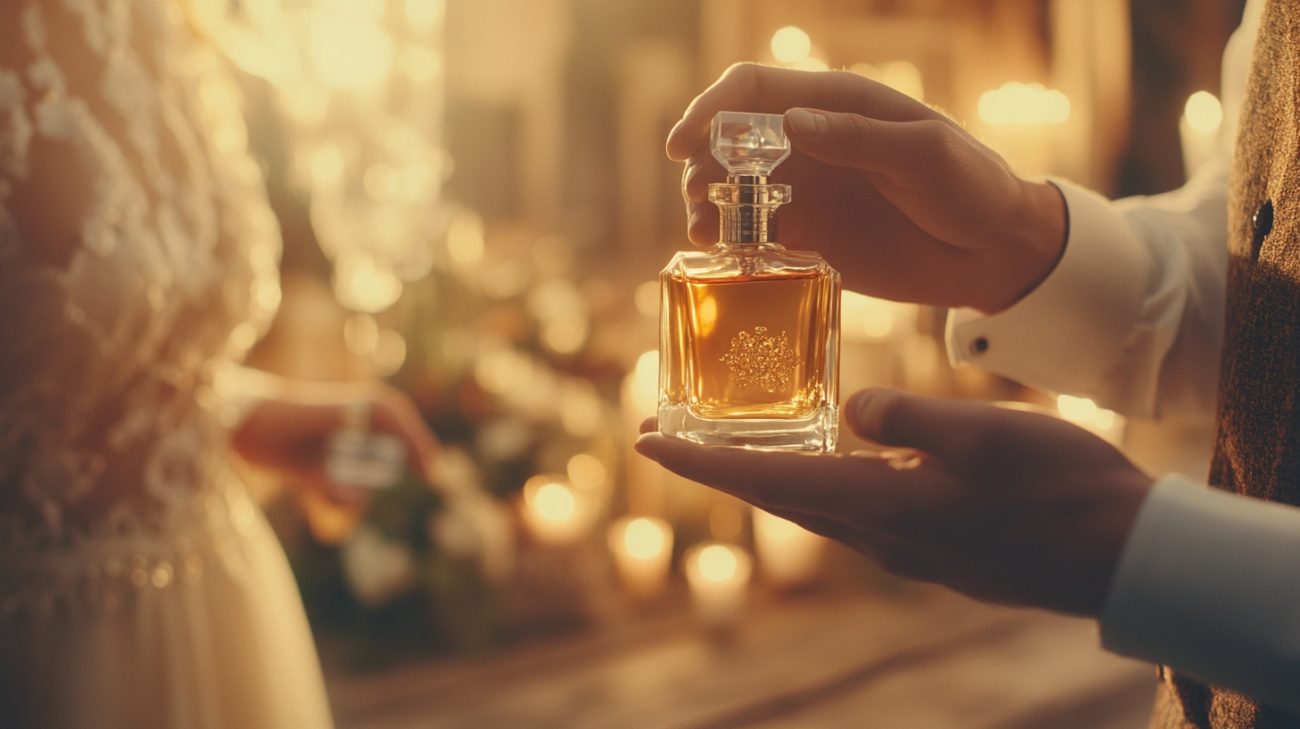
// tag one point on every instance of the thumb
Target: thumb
(853, 140)
(954, 430)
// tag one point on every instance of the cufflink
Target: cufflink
(1261, 224)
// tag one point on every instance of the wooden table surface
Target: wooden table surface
(917, 658)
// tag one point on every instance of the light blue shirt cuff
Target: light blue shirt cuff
(1209, 583)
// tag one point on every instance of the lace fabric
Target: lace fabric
(139, 586)
(137, 255)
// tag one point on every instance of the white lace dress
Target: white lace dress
(139, 586)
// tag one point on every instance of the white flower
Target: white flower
(496, 532)
(504, 439)
(376, 569)
(472, 524)
(454, 472)
(475, 526)
(455, 533)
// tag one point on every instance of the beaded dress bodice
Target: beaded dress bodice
(138, 256)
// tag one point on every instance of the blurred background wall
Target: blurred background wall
(476, 203)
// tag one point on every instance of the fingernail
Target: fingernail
(805, 122)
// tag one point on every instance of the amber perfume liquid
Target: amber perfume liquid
(749, 359)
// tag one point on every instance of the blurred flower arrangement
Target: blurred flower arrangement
(419, 572)
(506, 373)
(492, 336)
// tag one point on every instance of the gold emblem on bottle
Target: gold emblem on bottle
(759, 360)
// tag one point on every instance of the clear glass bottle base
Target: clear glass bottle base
(817, 433)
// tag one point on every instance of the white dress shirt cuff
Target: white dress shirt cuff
(1071, 330)
(1209, 583)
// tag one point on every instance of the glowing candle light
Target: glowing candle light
(718, 575)
(642, 548)
(554, 511)
(791, 45)
(1199, 129)
(788, 554)
(866, 317)
(1022, 122)
(1085, 413)
(640, 399)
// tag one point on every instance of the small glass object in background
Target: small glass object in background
(359, 458)
(749, 331)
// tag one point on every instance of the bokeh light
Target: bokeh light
(791, 44)
(1019, 103)
(718, 563)
(644, 538)
(1203, 112)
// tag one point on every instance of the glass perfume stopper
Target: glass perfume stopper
(749, 144)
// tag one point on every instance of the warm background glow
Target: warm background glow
(1204, 112)
(476, 204)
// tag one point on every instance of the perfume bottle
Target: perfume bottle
(359, 458)
(749, 331)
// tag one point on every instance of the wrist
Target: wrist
(1033, 245)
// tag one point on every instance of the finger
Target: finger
(650, 425)
(701, 171)
(702, 225)
(950, 429)
(764, 89)
(819, 484)
(862, 142)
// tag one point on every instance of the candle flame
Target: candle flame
(555, 502)
(1203, 112)
(1017, 103)
(717, 563)
(791, 44)
(643, 538)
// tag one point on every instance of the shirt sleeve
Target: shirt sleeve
(1132, 315)
(1209, 583)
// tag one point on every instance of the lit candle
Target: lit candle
(868, 319)
(1199, 129)
(788, 554)
(554, 511)
(642, 547)
(640, 400)
(1022, 122)
(1085, 413)
(718, 575)
(870, 330)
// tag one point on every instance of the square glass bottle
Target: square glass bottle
(749, 331)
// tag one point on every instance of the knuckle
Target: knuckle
(741, 72)
(935, 134)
